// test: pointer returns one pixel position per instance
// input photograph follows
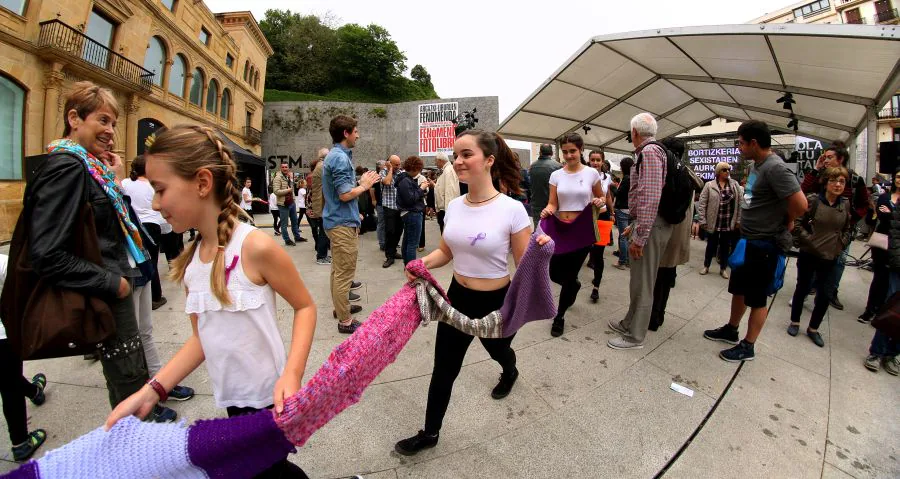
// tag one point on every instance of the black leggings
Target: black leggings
(564, 269)
(451, 345)
(597, 261)
(155, 233)
(276, 220)
(282, 469)
(13, 390)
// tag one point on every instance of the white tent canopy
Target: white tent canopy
(838, 75)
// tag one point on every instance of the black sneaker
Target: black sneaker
(290, 243)
(25, 450)
(742, 352)
(40, 382)
(726, 334)
(559, 324)
(793, 329)
(162, 414)
(412, 445)
(181, 393)
(301, 240)
(866, 317)
(816, 338)
(388, 263)
(836, 303)
(354, 308)
(398, 256)
(353, 296)
(502, 389)
(349, 328)
(595, 295)
(355, 285)
(159, 303)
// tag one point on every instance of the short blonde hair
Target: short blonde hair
(86, 98)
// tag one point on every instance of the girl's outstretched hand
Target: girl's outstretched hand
(286, 386)
(542, 240)
(138, 404)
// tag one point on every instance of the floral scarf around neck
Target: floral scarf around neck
(106, 179)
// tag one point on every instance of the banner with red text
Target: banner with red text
(436, 129)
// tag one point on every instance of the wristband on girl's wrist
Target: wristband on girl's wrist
(159, 389)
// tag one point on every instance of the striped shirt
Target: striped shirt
(646, 189)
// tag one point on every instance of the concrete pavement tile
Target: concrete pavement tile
(7, 466)
(798, 350)
(574, 365)
(628, 429)
(693, 360)
(832, 472)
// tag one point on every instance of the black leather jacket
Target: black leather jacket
(55, 197)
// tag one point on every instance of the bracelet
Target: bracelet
(160, 390)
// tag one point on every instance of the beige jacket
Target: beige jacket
(678, 250)
(281, 186)
(709, 204)
(446, 188)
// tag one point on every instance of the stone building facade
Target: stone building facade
(294, 131)
(168, 62)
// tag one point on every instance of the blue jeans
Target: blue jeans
(412, 229)
(289, 212)
(622, 220)
(839, 269)
(379, 231)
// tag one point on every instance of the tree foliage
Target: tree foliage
(349, 61)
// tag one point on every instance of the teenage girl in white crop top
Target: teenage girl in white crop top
(231, 274)
(572, 189)
(480, 230)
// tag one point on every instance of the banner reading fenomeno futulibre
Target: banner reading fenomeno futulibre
(436, 129)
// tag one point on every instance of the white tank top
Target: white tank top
(244, 351)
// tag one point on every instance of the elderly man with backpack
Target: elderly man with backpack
(655, 205)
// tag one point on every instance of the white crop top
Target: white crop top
(574, 190)
(244, 351)
(478, 236)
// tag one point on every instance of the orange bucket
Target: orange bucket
(604, 232)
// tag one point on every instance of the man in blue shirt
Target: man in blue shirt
(341, 214)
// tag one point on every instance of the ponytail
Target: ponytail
(506, 167)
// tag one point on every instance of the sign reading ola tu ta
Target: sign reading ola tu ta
(436, 129)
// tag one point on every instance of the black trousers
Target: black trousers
(878, 290)
(13, 390)
(597, 261)
(564, 270)
(283, 469)
(422, 236)
(665, 281)
(155, 233)
(719, 244)
(813, 270)
(393, 230)
(172, 245)
(276, 221)
(451, 345)
(440, 220)
(316, 226)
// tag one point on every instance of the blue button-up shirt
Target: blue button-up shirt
(338, 178)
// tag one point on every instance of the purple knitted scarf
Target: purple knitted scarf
(580, 233)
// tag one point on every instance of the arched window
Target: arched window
(256, 80)
(246, 69)
(212, 97)
(12, 108)
(250, 78)
(226, 104)
(197, 86)
(155, 59)
(177, 74)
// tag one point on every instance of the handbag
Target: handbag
(888, 318)
(44, 320)
(878, 241)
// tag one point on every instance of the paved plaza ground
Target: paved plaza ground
(579, 408)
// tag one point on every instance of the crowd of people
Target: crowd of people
(486, 206)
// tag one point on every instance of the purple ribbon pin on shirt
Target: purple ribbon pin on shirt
(474, 239)
(228, 269)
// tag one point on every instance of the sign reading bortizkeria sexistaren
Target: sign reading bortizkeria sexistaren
(436, 129)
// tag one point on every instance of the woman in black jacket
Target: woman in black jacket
(879, 286)
(411, 201)
(80, 169)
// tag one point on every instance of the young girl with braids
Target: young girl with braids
(231, 273)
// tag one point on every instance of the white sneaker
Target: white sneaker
(624, 343)
(704, 271)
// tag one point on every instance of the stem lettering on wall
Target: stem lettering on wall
(273, 162)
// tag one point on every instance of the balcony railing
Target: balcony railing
(889, 113)
(59, 36)
(252, 135)
(885, 16)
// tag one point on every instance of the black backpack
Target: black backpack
(678, 189)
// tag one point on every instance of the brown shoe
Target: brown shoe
(349, 328)
(354, 308)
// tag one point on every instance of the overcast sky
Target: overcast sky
(507, 48)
